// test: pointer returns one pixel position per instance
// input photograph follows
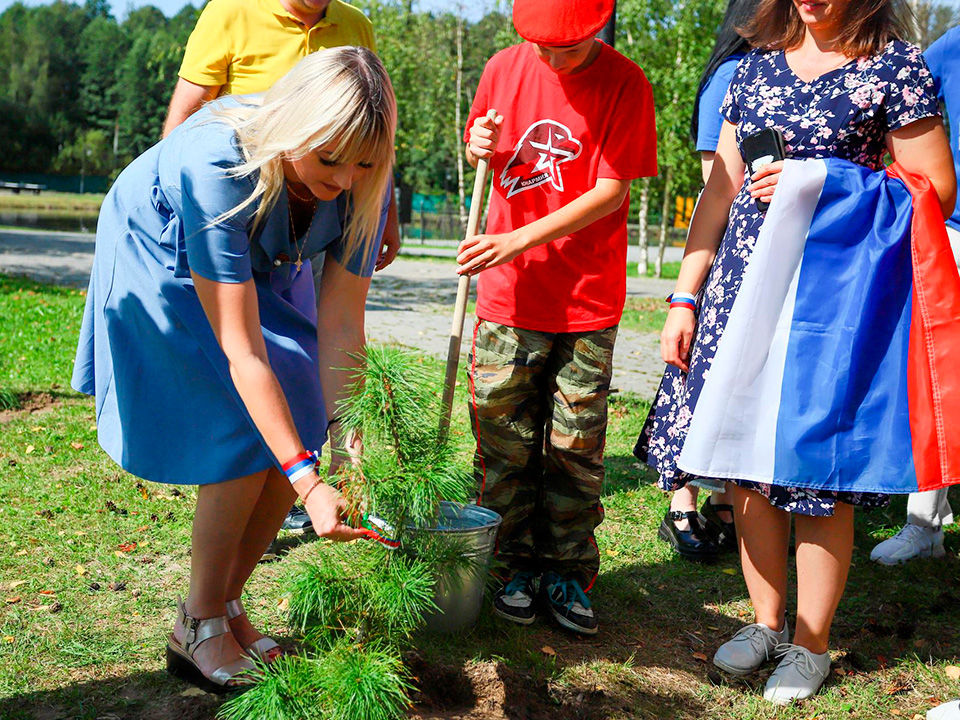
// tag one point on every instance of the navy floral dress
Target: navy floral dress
(845, 113)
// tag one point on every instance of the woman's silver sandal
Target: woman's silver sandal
(180, 662)
(259, 648)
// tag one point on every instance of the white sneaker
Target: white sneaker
(947, 711)
(911, 542)
(750, 648)
(798, 676)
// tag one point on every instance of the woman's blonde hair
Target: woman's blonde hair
(339, 99)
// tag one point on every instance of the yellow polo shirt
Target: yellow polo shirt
(245, 46)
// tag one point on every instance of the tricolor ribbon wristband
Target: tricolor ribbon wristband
(299, 466)
(684, 300)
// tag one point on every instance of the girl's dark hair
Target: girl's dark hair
(866, 26)
(729, 42)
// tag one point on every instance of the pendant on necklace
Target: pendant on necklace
(299, 264)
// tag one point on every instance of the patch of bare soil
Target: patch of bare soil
(31, 403)
(493, 691)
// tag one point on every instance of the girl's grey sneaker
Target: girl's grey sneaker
(568, 604)
(514, 601)
(913, 541)
(798, 676)
(947, 711)
(750, 648)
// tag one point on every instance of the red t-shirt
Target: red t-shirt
(560, 134)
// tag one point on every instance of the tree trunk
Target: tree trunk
(458, 131)
(642, 221)
(664, 223)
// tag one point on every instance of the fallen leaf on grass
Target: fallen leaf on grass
(76, 445)
(17, 583)
(9, 638)
(283, 605)
(13, 600)
(29, 449)
(81, 570)
(547, 650)
(192, 692)
(612, 553)
(144, 527)
(896, 688)
(20, 553)
(128, 547)
(917, 716)
(729, 571)
(953, 672)
(699, 656)
(894, 711)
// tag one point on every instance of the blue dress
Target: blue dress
(845, 113)
(166, 407)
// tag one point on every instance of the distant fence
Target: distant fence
(60, 183)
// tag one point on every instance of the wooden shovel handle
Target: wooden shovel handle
(463, 293)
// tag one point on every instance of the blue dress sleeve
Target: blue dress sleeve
(910, 93)
(709, 119)
(364, 261)
(220, 250)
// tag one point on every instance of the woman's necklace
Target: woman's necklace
(293, 228)
(309, 198)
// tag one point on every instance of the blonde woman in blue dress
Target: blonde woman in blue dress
(210, 360)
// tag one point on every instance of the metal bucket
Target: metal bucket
(459, 594)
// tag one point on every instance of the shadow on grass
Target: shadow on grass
(143, 696)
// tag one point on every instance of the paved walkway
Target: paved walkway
(410, 303)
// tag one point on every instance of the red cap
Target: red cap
(560, 22)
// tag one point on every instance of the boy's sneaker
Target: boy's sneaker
(568, 604)
(750, 648)
(911, 542)
(514, 601)
(798, 676)
(297, 520)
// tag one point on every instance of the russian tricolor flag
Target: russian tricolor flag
(839, 368)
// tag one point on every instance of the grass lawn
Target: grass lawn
(46, 200)
(93, 560)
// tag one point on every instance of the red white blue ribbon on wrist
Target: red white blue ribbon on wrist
(300, 466)
(684, 300)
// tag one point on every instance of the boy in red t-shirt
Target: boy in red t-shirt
(576, 125)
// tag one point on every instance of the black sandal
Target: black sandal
(693, 544)
(725, 533)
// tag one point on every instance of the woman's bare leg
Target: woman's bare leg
(271, 508)
(222, 515)
(763, 532)
(824, 549)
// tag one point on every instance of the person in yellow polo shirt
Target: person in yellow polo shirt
(240, 47)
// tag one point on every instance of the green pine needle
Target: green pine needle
(364, 682)
(289, 688)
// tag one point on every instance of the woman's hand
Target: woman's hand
(677, 336)
(326, 508)
(484, 136)
(486, 251)
(764, 181)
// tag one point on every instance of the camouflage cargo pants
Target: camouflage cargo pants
(539, 415)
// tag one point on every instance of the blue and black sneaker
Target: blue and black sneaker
(568, 604)
(514, 601)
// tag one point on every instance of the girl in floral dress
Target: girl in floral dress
(835, 79)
